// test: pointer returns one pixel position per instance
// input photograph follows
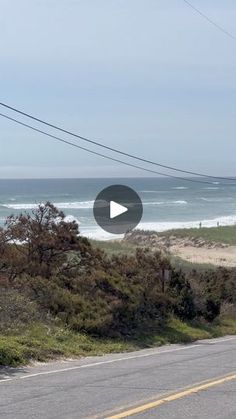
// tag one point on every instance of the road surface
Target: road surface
(176, 381)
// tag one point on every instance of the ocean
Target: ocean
(167, 203)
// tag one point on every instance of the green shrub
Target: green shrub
(53, 273)
(16, 310)
(10, 353)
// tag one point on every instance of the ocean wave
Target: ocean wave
(166, 203)
(97, 233)
(152, 191)
(223, 199)
(212, 188)
(68, 218)
(19, 206)
(180, 187)
(60, 205)
(180, 202)
(74, 205)
(81, 204)
(169, 225)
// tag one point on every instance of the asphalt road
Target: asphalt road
(176, 381)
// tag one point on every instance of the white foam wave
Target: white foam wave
(94, 232)
(60, 205)
(180, 187)
(20, 206)
(180, 202)
(228, 198)
(169, 225)
(168, 203)
(74, 205)
(97, 233)
(81, 205)
(152, 191)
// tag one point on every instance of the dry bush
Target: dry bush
(16, 310)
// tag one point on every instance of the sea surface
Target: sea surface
(167, 203)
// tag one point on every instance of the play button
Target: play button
(117, 209)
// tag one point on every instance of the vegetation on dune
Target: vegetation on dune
(63, 296)
(223, 234)
(43, 343)
(115, 247)
(123, 247)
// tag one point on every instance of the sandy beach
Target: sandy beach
(216, 256)
(192, 249)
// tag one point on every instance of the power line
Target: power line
(212, 22)
(113, 149)
(100, 154)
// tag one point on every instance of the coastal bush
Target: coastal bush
(16, 310)
(182, 296)
(46, 267)
(10, 353)
(38, 243)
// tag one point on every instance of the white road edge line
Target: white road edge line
(221, 340)
(95, 364)
(111, 361)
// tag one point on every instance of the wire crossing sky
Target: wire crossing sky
(151, 79)
(107, 147)
(102, 155)
(210, 20)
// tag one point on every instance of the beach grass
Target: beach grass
(122, 247)
(178, 263)
(224, 234)
(39, 343)
(115, 247)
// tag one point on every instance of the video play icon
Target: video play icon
(118, 209)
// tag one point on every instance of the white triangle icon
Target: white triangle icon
(116, 209)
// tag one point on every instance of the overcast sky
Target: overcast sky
(150, 77)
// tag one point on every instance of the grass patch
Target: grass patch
(40, 343)
(177, 331)
(186, 266)
(226, 234)
(115, 247)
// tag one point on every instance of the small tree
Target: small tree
(41, 239)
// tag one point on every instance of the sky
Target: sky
(149, 77)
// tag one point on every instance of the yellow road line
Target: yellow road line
(172, 397)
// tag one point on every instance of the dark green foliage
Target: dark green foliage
(38, 243)
(212, 309)
(182, 293)
(47, 267)
(16, 310)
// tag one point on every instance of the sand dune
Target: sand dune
(216, 256)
